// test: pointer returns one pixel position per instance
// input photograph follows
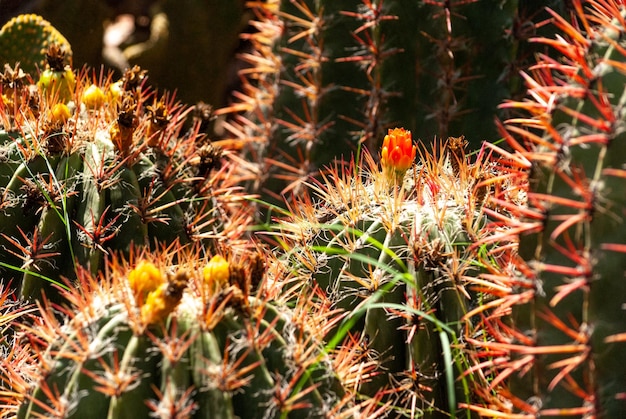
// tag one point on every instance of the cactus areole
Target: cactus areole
(186, 341)
(395, 250)
(91, 168)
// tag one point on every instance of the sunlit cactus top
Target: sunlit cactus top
(397, 154)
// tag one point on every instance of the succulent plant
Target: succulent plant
(396, 251)
(486, 284)
(57, 81)
(326, 76)
(82, 22)
(26, 38)
(195, 339)
(199, 36)
(111, 169)
(561, 355)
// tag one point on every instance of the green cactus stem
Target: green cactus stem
(195, 340)
(25, 39)
(112, 170)
(563, 354)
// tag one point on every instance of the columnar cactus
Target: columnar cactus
(196, 339)
(564, 354)
(395, 251)
(109, 169)
(325, 76)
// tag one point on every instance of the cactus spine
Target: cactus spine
(564, 354)
(111, 170)
(326, 76)
(183, 341)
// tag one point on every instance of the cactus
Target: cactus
(196, 339)
(563, 355)
(25, 39)
(57, 80)
(111, 170)
(395, 251)
(326, 76)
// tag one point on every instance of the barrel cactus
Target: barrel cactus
(109, 169)
(395, 251)
(195, 339)
(564, 354)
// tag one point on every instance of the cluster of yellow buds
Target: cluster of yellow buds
(156, 296)
(397, 154)
(145, 278)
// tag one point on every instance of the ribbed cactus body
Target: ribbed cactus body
(210, 351)
(326, 76)
(564, 355)
(396, 259)
(105, 176)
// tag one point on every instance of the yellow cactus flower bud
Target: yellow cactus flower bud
(115, 92)
(398, 153)
(145, 278)
(216, 271)
(163, 300)
(158, 306)
(59, 114)
(93, 97)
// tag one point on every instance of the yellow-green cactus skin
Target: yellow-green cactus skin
(25, 39)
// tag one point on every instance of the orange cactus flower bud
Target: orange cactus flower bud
(398, 153)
